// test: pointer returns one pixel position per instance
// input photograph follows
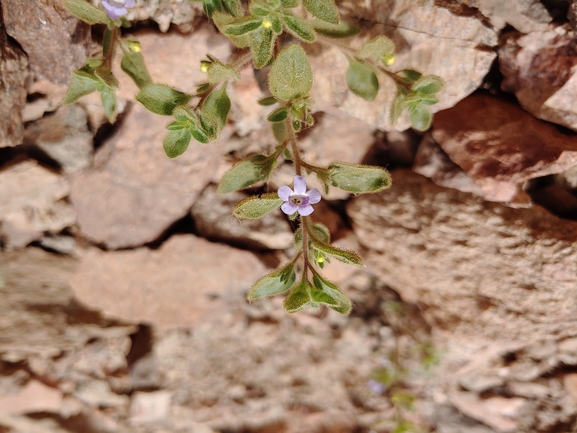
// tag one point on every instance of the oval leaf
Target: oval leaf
(325, 10)
(161, 99)
(338, 300)
(81, 84)
(298, 297)
(256, 206)
(299, 28)
(358, 179)
(133, 64)
(428, 85)
(341, 30)
(176, 142)
(377, 48)
(246, 173)
(361, 80)
(241, 26)
(291, 76)
(420, 117)
(278, 115)
(275, 283)
(345, 256)
(86, 12)
(261, 45)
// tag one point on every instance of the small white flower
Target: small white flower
(117, 8)
(299, 200)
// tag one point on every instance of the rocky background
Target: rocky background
(122, 305)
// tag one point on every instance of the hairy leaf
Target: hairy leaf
(337, 299)
(86, 12)
(377, 48)
(320, 232)
(215, 109)
(345, 256)
(261, 45)
(81, 84)
(211, 6)
(161, 99)
(246, 173)
(398, 105)
(221, 20)
(428, 85)
(274, 283)
(278, 115)
(133, 64)
(361, 79)
(218, 72)
(358, 179)
(267, 101)
(243, 25)
(233, 7)
(289, 4)
(341, 30)
(109, 103)
(291, 76)
(298, 297)
(420, 117)
(325, 10)
(176, 142)
(299, 28)
(257, 206)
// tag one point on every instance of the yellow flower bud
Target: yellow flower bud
(204, 66)
(134, 46)
(266, 24)
(389, 59)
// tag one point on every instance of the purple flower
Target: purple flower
(377, 388)
(299, 200)
(117, 8)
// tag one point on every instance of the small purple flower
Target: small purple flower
(299, 200)
(117, 8)
(377, 388)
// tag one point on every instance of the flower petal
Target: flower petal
(129, 3)
(300, 185)
(284, 193)
(305, 210)
(289, 208)
(314, 196)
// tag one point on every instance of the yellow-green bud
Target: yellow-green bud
(389, 59)
(204, 65)
(266, 24)
(134, 46)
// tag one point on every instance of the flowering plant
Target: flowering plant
(256, 30)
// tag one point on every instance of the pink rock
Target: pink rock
(34, 397)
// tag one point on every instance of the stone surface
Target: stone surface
(213, 219)
(428, 38)
(146, 407)
(539, 69)
(64, 137)
(133, 193)
(47, 31)
(182, 283)
(166, 12)
(34, 397)
(500, 146)
(524, 15)
(481, 269)
(13, 75)
(31, 203)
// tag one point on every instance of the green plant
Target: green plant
(201, 117)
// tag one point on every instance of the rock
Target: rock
(34, 397)
(55, 41)
(133, 193)
(13, 75)
(212, 214)
(98, 394)
(570, 383)
(524, 15)
(483, 135)
(428, 38)
(166, 12)
(529, 390)
(32, 202)
(481, 269)
(181, 284)
(480, 382)
(432, 162)
(147, 407)
(500, 413)
(64, 137)
(539, 69)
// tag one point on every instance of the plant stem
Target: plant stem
(242, 60)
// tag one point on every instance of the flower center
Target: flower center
(299, 200)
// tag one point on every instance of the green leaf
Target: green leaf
(298, 297)
(257, 206)
(345, 256)
(233, 7)
(428, 85)
(325, 10)
(109, 103)
(107, 42)
(291, 76)
(199, 135)
(337, 299)
(362, 80)
(320, 232)
(86, 12)
(275, 283)
(211, 6)
(106, 77)
(278, 115)
(261, 45)
(299, 28)
(377, 48)
(259, 9)
(276, 25)
(398, 105)
(341, 30)
(218, 72)
(428, 100)
(132, 64)
(243, 25)
(246, 173)
(358, 179)
(81, 84)
(267, 101)
(176, 142)
(221, 20)
(289, 4)
(161, 99)
(217, 106)
(420, 117)
(411, 75)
